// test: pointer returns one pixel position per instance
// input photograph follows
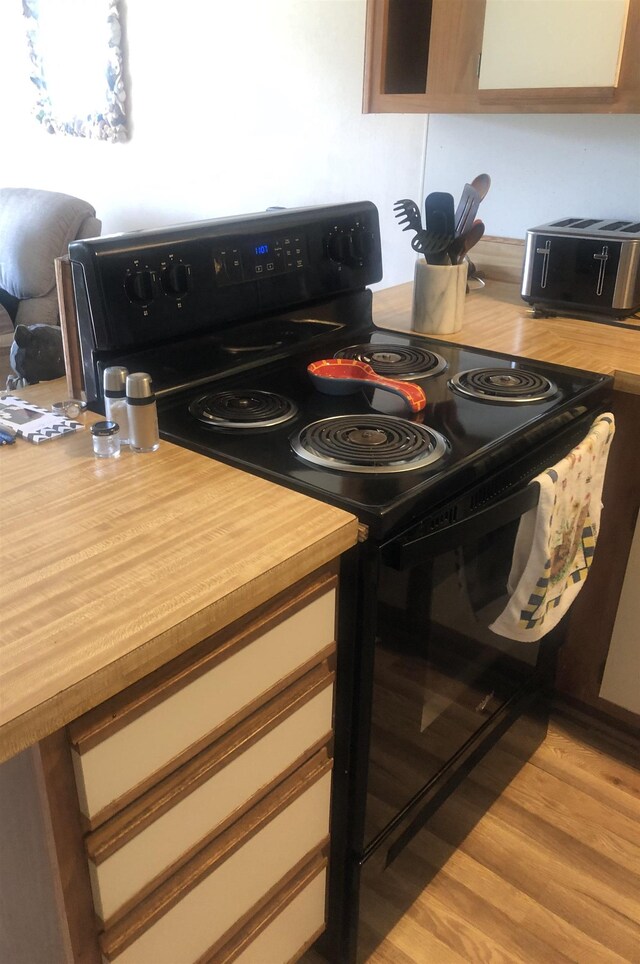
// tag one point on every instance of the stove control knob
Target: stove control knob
(349, 247)
(176, 278)
(338, 246)
(360, 245)
(141, 286)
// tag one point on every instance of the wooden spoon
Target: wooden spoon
(481, 184)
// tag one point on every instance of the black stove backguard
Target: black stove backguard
(188, 286)
(225, 316)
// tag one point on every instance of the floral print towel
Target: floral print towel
(557, 538)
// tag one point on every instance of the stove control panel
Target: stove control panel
(139, 289)
(259, 257)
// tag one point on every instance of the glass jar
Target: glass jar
(106, 440)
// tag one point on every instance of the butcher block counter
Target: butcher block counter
(111, 567)
(496, 319)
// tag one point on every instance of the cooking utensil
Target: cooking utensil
(464, 242)
(432, 246)
(472, 237)
(469, 202)
(439, 213)
(466, 210)
(408, 214)
(440, 227)
(343, 376)
(482, 183)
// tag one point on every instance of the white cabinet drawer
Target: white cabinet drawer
(293, 930)
(116, 761)
(186, 917)
(132, 853)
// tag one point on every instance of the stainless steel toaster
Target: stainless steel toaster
(583, 266)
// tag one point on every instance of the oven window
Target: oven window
(440, 673)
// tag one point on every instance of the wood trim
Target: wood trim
(628, 89)
(69, 326)
(374, 45)
(59, 797)
(92, 823)
(98, 724)
(251, 925)
(605, 713)
(323, 746)
(549, 96)
(128, 823)
(115, 940)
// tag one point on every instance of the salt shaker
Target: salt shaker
(115, 402)
(143, 414)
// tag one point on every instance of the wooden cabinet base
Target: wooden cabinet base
(592, 616)
(216, 849)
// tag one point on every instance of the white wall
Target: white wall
(542, 167)
(235, 106)
(239, 105)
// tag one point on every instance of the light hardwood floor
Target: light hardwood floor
(550, 873)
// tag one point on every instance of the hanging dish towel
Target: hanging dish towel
(556, 539)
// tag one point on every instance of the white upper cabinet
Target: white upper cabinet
(552, 43)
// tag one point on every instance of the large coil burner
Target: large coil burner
(369, 443)
(242, 410)
(396, 361)
(503, 385)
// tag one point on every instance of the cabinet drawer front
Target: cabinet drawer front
(132, 868)
(206, 912)
(130, 757)
(292, 931)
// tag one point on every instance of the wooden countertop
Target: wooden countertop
(112, 567)
(497, 319)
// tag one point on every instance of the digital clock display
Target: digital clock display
(262, 249)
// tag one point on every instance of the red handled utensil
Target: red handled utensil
(342, 376)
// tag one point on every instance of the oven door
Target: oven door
(444, 685)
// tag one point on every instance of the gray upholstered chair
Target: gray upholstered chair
(35, 229)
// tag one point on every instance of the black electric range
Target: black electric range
(227, 316)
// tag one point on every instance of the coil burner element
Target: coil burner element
(369, 443)
(396, 361)
(503, 385)
(242, 410)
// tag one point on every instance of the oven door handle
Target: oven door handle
(403, 553)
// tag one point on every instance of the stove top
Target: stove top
(366, 451)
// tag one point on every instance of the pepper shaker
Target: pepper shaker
(143, 414)
(115, 402)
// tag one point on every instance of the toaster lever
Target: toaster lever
(545, 252)
(602, 258)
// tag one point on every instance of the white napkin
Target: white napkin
(556, 539)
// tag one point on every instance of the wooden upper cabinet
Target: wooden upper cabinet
(502, 56)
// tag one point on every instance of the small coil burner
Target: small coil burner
(396, 361)
(503, 385)
(369, 443)
(242, 410)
